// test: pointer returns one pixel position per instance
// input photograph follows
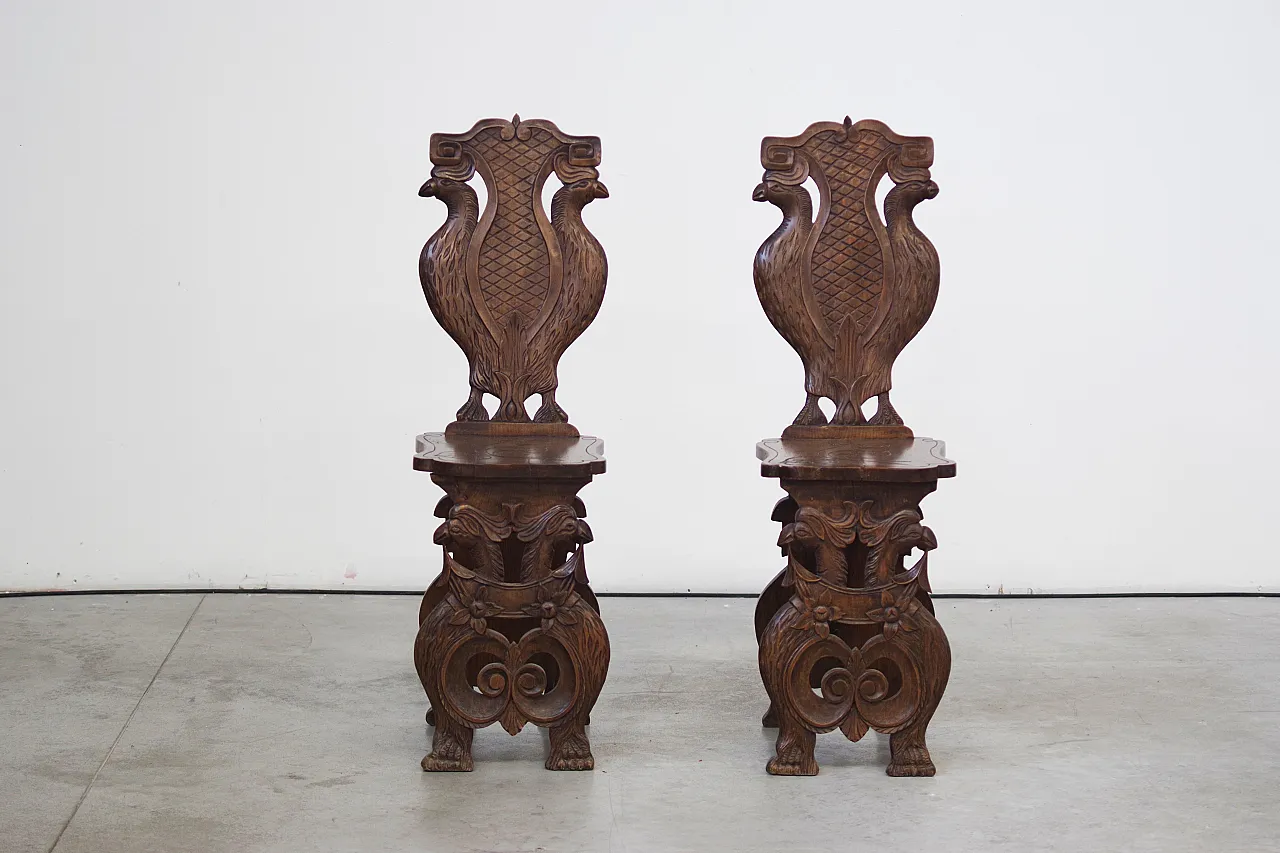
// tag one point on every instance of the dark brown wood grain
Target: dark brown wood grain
(511, 285)
(846, 286)
(847, 634)
(509, 631)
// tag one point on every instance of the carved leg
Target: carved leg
(811, 414)
(909, 756)
(473, 409)
(451, 746)
(886, 414)
(549, 412)
(794, 749)
(570, 748)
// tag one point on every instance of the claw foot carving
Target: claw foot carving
(794, 752)
(450, 750)
(910, 761)
(570, 749)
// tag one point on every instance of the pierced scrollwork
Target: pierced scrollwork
(510, 632)
(854, 658)
(480, 666)
(850, 286)
(477, 537)
(827, 533)
(512, 286)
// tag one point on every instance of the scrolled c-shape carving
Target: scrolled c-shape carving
(491, 681)
(540, 700)
(451, 161)
(485, 704)
(783, 166)
(531, 680)
(823, 711)
(883, 710)
(509, 687)
(910, 163)
(571, 168)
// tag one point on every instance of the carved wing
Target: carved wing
(848, 280)
(514, 261)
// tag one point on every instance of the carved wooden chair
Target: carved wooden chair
(847, 632)
(510, 632)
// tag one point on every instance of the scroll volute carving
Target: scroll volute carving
(848, 286)
(512, 286)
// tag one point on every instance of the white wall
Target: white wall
(216, 353)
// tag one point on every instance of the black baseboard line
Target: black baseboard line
(686, 594)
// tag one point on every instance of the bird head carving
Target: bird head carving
(911, 193)
(585, 191)
(446, 189)
(793, 199)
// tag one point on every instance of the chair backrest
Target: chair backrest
(512, 285)
(849, 286)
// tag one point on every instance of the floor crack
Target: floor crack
(127, 720)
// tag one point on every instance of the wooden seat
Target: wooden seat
(515, 458)
(885, 460)
(510, 632)
(847, 634)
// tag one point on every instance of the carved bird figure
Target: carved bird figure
(442, 269)
(779, 270)
(582, 286)
(915, 290)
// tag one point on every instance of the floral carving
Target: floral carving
(474, 606)
(818, 616)
(891, 682)
(513, 287)
(553, 606)
(896, 613)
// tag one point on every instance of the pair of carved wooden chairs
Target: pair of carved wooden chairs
(510, 631)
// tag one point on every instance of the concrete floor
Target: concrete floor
(244, 723)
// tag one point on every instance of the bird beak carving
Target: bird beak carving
(600, 190)
(428, 189)
(758, 194)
